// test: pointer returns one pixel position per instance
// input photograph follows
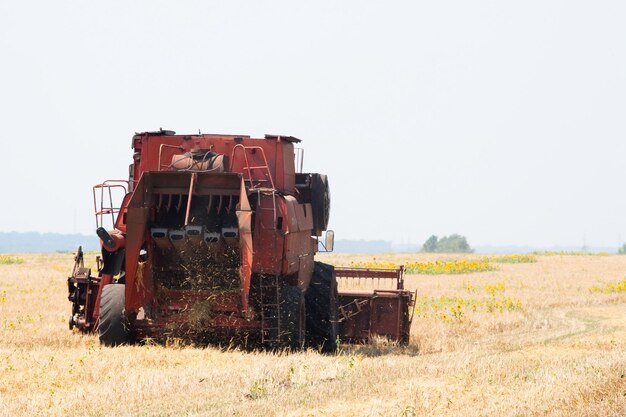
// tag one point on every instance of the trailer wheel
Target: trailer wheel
(321, 307)
(320, 203)
(113, 327)
(292, 318)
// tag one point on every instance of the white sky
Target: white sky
(499, 120)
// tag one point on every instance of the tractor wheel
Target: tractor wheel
(292, 318)
(113, 327)
(320, 203)
(321, 307)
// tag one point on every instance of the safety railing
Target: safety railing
(250, 169)
(161, 164)
(103, 196)
(299, 159)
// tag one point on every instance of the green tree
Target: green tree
(454, 243)
(622, 250)
(430, 245)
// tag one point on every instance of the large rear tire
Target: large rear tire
(321, 308)
(292, 318)
(113, 327)
(320, 203)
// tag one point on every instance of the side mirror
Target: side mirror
(329, 242)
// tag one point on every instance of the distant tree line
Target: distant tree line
(29, 242)
(448, 244)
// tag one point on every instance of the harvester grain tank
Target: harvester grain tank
(214, 238)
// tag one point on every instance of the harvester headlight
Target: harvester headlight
(230, 232)
(211, 237)
(193, 231)
(231, 235)
(159, 235)
(177, 237)
(194, 234)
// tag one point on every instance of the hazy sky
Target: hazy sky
(503, 121)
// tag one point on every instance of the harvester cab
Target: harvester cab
(214, 238)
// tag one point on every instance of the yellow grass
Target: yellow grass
(8, 260)
(555, 348)
(457, 266)
(513, 259)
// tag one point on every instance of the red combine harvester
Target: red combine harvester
(215, 239)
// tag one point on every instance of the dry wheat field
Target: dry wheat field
(544, 336)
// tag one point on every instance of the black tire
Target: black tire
(292, 318)
(321, 308)
(113, 326)
(320, 203)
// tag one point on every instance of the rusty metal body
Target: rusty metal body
(383, 312)
(215, 235)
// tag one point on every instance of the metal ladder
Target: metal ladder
(270, 284)
(270, 309)
(249, 169)
(272, 209)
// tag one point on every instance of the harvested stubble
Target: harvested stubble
(561, 353)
